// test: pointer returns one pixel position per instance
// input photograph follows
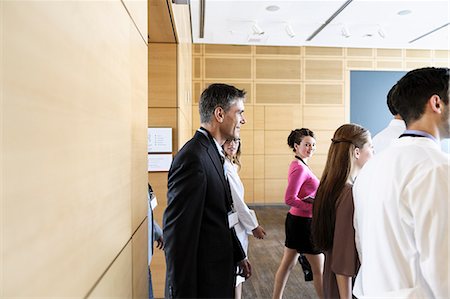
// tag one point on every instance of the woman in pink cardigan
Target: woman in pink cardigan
(300, 193)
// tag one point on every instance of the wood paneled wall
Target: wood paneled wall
(288, 88)
(73, 128)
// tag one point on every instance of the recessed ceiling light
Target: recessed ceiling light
(272, 8)
(404, 12)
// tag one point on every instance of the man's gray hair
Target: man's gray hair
(217, 95)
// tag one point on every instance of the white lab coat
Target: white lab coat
(401, 199)
(385, 137)
(247, 221)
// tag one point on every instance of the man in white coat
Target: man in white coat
(401, 198)
(395, 128)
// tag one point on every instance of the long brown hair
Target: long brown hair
(337, 171)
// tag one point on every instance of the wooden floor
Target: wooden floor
(265, 257)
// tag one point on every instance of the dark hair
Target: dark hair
(415, 89)
(389, 101)
(296, 136)
(217, 95)
(337, 170)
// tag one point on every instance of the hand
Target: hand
(245, 269)
(160, 243)
(259, 232)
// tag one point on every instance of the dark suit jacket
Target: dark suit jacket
(201, 251)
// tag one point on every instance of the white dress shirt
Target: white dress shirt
(385, 137)
(401, 199)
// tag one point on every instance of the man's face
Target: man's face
(233, 119)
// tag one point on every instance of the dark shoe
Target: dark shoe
(306, 267)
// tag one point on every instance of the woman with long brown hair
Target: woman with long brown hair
(332, 225)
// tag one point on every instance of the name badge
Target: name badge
(232, 219)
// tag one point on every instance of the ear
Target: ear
(357, 152)
(219, 114)
(435, 103)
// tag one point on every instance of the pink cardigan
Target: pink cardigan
(302, 183)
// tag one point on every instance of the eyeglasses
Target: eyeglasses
(235, 140)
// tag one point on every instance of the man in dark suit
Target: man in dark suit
(201, 249)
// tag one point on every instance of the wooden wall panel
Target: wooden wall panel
(247, 142)
(277, 51)
(359, 52)
(229, 49)
(246, 171)
(391, 53)
(324, 70)
(324, 94)
(258, 142)
(162, 74)
(390, 65)
(323, 141)
(277, 69)
(117, 281)
(278, 93)
(139, 13)
(323, 118)
(258, 166)
(360, 64)
(228, 68)
(248, 190)
(259, 192)
(283, 117)
(276, 166)
(323, 51)
(68, 200)
(274, 190)
(276, 141)
(162, 117)
(259, 119)
(139, 245)
(417, 54)
(160, 28)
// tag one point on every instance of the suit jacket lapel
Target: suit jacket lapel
(215, 159)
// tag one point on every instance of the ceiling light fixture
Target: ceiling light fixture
(381, 32)
(289, 30)
(256, 29)
(272, 8)
(404, 12)
(345, 32)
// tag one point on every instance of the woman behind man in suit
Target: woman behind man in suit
(248, 224)
(300, 192)
(332, 225)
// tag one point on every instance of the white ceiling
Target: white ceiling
(369, 24)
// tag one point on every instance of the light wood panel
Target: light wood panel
(274, 190)
(324, 69)
(226, 68)
(67, 200)
(324, 94)
(162, 74)
(247, 86)
(229, 49)
(259, 193)
(117, 281)
(277, 51)
(393, 53)
(278, 93)
(323, 51)
(162, 117)
(359, 52)
(160, 27)
(276, 166)
(258, 142)
(283, 117)
(248, 190)
(139, 245)
(138, 10)
(259, 118)
(259, 166)
(247, 142)
(323, 118)
(278, 69)
(390, 65)
(246, 171)
(276, 141)
(417, 54)
(360, 64)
